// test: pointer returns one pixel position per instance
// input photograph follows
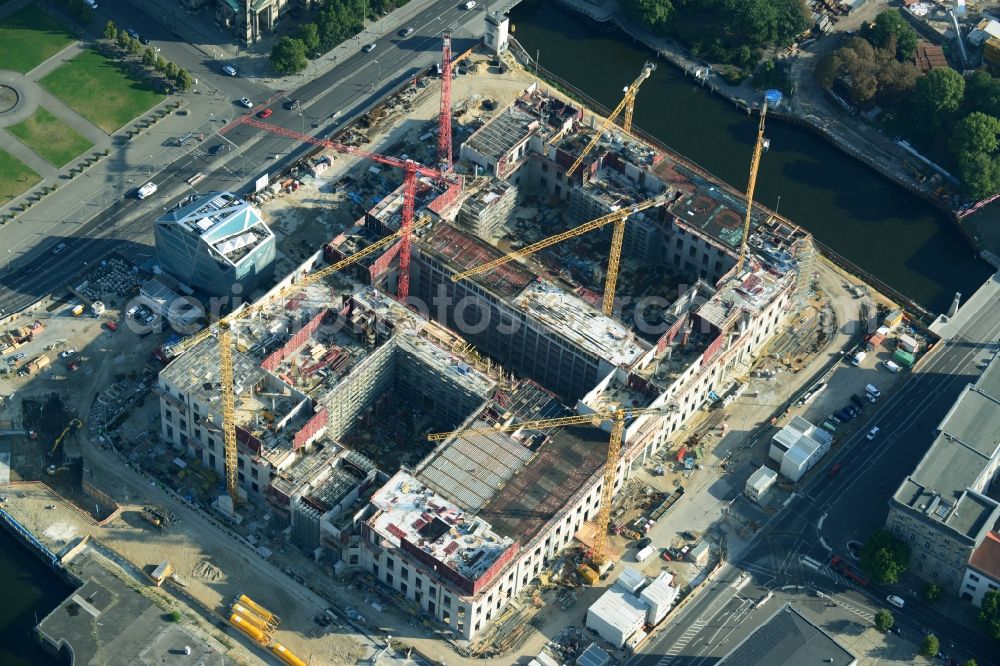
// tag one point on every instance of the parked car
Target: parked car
(873, 391)
(895, 601)
(666, 555)
(67, 353)
(858, 401)
(132, 33)
(643, 542)
(229, 69)
(858, 358)
(90, 3)
(872, 434)
(132, 310)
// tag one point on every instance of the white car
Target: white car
(369, 47)
(67, 353)
(146, 190)
(872, 434)
(229, 69)
(469, 5)
(895, 601)
(245, 101)
(90, 3)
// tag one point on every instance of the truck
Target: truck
(847, 571)
(644, 553)
(155, 517)
(667, 504)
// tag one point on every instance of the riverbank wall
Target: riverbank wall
(608, 13)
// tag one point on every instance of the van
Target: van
(873, 391)
(895, 601)
(891, 367)
(858, 358)
(644, 553)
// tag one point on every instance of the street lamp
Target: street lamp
(150, 165)
(303, 119)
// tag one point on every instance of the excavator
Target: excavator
(72, 426)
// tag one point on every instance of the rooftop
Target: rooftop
(232, 226)
(411, 513)
(986, 558)
(750, 293)
(462, 251)
(620, 609)
(949, 484)
(105, 622)
(471, 467)
(534, 113)
(585, 325)
(787, 638)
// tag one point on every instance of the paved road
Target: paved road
(829, 512)
(328, 101)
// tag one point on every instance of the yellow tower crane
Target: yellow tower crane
(224, 332)
(614, 258)
(771, 96)
(628, 104)
(617, 418)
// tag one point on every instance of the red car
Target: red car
(834, 471)
(266, 113)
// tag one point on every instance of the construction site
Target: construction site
(463, 383)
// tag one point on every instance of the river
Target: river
(874, 223)
(31, 590)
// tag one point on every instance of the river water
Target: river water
(30, 590)
(877, 225)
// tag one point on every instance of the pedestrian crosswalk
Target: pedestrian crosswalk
(693, 629)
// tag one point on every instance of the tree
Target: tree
(309, 35)
(289, 56)
(884, 557)
(653, 14)
(989, 614)
(149, 57)
(931, 646)
(122, 39)
(982, 93)
(932, 592)
(170, 71)
(884, 620)
(979, 175)
(970, 662)
(134, 46)
(110, 31)
(976, 133)
(936, 99)
(183, 79)
(174, 616)
(867, 74)
(160, 65)
(890, 25)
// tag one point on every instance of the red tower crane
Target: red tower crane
(444, 136)
(410, 172)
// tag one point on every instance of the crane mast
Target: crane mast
(627, 104)
(772, 97)
(444, 133)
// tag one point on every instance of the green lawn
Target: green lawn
(29, 37)
(101, 92)
(15, 177)
(50, 137)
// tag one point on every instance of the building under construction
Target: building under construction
(338, 386)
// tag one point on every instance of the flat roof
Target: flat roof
(787, 638)
(750, 292)
(428, 522)
(462, 251)
(948, 485)
(540, 490)
(105, 622)
(582, 323)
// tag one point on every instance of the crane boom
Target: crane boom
(620, 214)
(758, 148)
(618, 418)
(627, 104)
(228, 408)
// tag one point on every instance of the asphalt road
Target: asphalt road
(329, 100)
(831, 511)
